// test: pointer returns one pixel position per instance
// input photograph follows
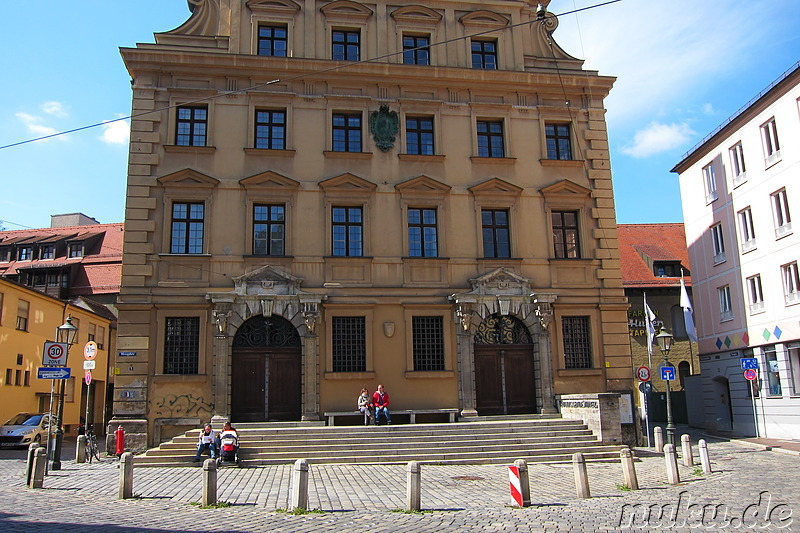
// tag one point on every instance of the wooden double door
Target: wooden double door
(266, 384)
(504, 379)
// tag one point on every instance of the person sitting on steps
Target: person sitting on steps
(365, 406)
(208, 439)
(380, 401)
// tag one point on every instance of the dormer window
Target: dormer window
(668, 269)
(75, 249)
(4, 254)
(47, 251)
(25, 253)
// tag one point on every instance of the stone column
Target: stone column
(546, 372)
(466, 373)
(310, 377)
(222, 365)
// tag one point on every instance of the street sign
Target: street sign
(750, 374)
(87, 378)
(646, 387)
(55, 354)
(668, 373)
(53, 373)
(643, 373)
(749, 363)
(89, 365)
(126, 354)
(90, 350)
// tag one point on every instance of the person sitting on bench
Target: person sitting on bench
(380, 401)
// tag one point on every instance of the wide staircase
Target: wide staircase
(485, 440)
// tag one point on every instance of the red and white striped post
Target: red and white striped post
(519, 484)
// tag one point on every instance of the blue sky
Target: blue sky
(683, 67)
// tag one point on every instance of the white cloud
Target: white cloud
(117, 132)
(657, 137)
(34, 125)
(56, 109)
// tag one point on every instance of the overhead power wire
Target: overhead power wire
(304, 75)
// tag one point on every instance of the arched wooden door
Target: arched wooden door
(265, 373)
(504, 371)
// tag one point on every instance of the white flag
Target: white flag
(649, 318)
(687, 313)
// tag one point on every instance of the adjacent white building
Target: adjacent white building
(739, 190)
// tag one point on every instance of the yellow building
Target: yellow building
(28, 319)
(324, 196)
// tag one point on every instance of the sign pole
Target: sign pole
(49, 421)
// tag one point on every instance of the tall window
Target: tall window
(346, 45)
(187, 228)
(793, 354)
(1, 308)
(496, 233)
(577, 342)
(419, 135)
(181, 345)
(349, 344)
(346, 132)
(416, 50)
(490, 138)
(484, 54)
(347, 231)
(427, 334)
(725, 309)
(23, 309)
(559, 144)
(710, 181)
(769, 138)
(565, 234)
(718, 242)
(271, 129)
(422, 238)
(791, 282)
(780, 209)
(91, 333)
(737, 164)
(756, 294)
(747, 230)
(192, 125)
(101, 337)
(269, 230)
(773, 372)
(272, 41)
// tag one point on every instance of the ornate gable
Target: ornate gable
(422, 185)
(346, 10)
(266, 280)
(284, 7)
(415, 15)
(496, 187)
(188, 178)
(269, 180)
(484, 19)
(347, 183)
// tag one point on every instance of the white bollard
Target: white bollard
(413, 486)
(125, 476)
(671, 459)
(209, 482)
(628, 469)
(80, 449)
(39, 464)
(300, 485)
(704, 459)
(581, 476)
(658, 437)
(29, 466)
(686, 450)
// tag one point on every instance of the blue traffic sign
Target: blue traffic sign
(749, 363)
(668, 373)
(54, 373)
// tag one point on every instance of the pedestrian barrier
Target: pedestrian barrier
(581, 476)
(29, 466)
(209, 482)
(126, 476)
(39, 463)
(519, 483)
(704, 459)
(671, 459)
(686, 449)
(628, 469)
(80, 449)
(658, 437)
(300, 485)
(413, 486)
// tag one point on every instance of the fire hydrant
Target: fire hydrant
(120, 436)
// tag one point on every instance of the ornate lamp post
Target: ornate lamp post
(66, 333)
(664, 340)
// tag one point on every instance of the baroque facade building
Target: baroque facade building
(324, 196)
(739, 189)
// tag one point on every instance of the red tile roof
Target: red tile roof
(641, 244)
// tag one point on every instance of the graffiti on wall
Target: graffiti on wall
(172, 406)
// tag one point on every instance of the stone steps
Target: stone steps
(487, 441)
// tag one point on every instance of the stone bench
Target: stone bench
(412, 413)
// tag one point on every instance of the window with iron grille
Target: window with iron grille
(349, 344)
(191, 126)
(577, 342)
(428, 342)
(187, 228)
(272, 41)
(181, 345)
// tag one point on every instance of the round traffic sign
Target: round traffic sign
(646, 387)
(90, 350)
(87, 377)
(750, 374)
(55, 351)
(643, 373)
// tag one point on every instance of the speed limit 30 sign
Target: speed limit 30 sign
(55, 354)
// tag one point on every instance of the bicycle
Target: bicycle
(91, 446)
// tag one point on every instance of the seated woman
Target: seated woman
(208, 440)
(364, 403)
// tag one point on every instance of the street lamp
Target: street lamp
(66, 333)
(664, 340)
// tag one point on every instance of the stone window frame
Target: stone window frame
(199, 188)
(185, 98)
(270, 188)
(482, 22)
(204, 348)
(273, 13)
(366, 311)
(417, 20)
(344, 15)
(445, 312)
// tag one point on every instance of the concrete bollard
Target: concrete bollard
(126, 476)
(80, 449)
(671, 459)
(29, 465)
(413, 486)
(686, 450)
(658, 437)
(209, 482)
(628, 469)
(524, 481)
(39, 464)
(704, 459)
(581, 476)
(300, 485)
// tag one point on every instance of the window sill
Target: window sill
(567, 372)
(570, 259)
(180, 149)
(165, 254)
(420, 259)
(499, 259)
(186, 378)
(421, 158)
(493, 160)
(430, 374)
(269, 152)
(570, 163)
(267, 256)
(350, 375)
(347, 155)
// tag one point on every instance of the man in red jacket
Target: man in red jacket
(380, 400)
